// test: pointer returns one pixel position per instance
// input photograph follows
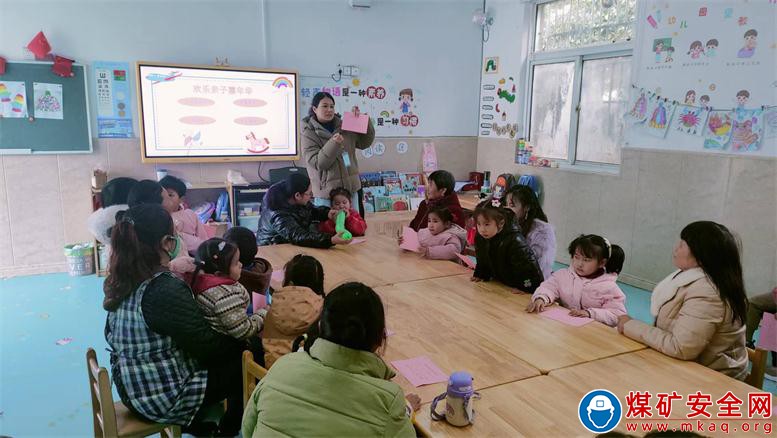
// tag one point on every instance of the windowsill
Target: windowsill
(595, 169)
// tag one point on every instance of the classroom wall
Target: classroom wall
(656, 194)
(44, 200)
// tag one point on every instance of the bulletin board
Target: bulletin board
(703, 77)
(58, 106)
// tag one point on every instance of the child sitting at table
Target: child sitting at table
(441, 239)
(295, 306)
(187, 223)
(257, 271)
(501, 251)
(223, 300)
(439, 193)
(340, 200)
(587, 287)
(339, 385)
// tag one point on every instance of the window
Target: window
(579, 76)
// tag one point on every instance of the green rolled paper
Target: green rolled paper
(340, 225)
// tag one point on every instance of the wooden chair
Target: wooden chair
(252, 372)
(114, 419)
(758, 358)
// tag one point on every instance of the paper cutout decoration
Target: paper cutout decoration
(63, 67)
(420, 371)
(661, 111)
(747, 131)
(690, 119)
(2, 65)
(429, 157)
(770, 122)
(717, 130)
(47, 100)
(638, 113)
(356, 124)
(402, 147)
(561, 314)
(13, 99)
(64, 341)
(389, 332)
(410, 240)
(378, 148)
(39, 46)
(367, 153)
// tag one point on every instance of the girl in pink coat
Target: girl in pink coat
(587, 287)
(442, 239)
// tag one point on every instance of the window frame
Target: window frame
(578, 56)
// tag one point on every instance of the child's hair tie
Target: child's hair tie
(495, 203)
(609, 247)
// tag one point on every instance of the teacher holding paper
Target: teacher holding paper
(330, 152)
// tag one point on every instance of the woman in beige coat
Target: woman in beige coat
(700, 308)
(330, 153)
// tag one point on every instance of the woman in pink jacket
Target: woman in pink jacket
(441, 239)
(587, 287)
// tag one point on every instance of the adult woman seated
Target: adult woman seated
(700, 308)
(289, 217)
(166, 360)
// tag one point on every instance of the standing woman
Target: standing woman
(330, 153)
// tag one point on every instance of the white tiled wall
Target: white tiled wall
(45, 199)
(656, 194)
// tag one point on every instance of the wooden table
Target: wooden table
(497, 313)
(547, 405)
(376, 262)
(469, 200)
(424, 327)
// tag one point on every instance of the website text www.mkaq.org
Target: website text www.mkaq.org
(726, 426)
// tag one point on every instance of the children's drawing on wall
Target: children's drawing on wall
(711, 48)
(669, 54)
(717, 130)
(48, 101)
(690, 97)
(660, 111)
(747, 131)
(405, 100)
(690, 119)
(770, 122)
(696, 50)
(660, 46)
(742, 97)
(748, 49)
(13, 99)
(704, 101)
(638, 112)
(491, 65)
(506, 89)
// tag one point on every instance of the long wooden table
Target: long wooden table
(548, 405)
(495, 312)
(376, 262)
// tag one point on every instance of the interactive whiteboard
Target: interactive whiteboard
(209, 113)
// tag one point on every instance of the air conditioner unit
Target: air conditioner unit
(365, 4)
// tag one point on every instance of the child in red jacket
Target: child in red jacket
(340, 199)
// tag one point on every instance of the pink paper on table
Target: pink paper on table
(768, 338)
(259, 301)
(355, 124)
(358, 240)
(561, 314)
(389, 332)
(420, 371)
(467, 261)
(410, 240)
(277, 276)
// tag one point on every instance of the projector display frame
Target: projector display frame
(149, 144)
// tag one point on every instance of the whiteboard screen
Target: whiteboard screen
(208, 113)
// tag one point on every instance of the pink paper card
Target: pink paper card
(277, 276)
(358, 240)
(389, 332)
(561, 314)
(355, 124)
(410, 240)
(420, 371)
(467, 261)
(768, 338)
(259, 301)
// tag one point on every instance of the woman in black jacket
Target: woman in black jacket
(502, 253)
(289, 217)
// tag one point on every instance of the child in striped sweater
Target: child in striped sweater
(223, 300)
